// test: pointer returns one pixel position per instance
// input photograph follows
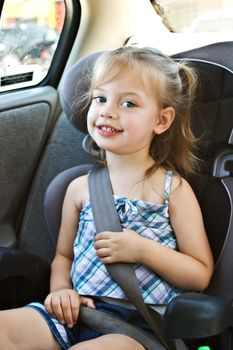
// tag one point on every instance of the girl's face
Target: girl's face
(123, 114)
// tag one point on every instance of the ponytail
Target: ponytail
(175, 149)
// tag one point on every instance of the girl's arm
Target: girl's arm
(61, 264)
(194, 258)
(188, 268)
(63, 302)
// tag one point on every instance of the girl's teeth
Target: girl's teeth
(109, 129)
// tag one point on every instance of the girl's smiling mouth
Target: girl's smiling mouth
(108, 130)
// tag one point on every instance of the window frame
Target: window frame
(65, 43)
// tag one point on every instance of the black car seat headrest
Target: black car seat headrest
(75, 83)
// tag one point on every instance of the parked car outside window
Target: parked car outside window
(27, 43)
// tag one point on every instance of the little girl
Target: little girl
(139, 116)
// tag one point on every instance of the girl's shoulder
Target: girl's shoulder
(79, 181)
(180, 188)
(172, 184)
(176, 181)
(162, 183)
(78, 190)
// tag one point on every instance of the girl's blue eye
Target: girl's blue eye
(128, 104)
(100, 99)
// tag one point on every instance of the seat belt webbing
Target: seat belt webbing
(106, 219)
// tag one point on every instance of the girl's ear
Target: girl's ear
(165, 119)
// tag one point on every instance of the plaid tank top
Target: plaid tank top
(89, 275)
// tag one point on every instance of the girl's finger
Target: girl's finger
(91, 303)
(74, 302)
(57, 309)
(88, 302)
(107, 260)
(101, 243)
(66, 311)
(102, 235)
(103, 252)
(48, 306)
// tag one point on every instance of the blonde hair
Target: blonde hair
(174, 86)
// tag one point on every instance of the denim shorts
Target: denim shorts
(70, 336)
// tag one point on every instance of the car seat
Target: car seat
(207, 316)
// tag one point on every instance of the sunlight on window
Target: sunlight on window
(198, 15)
(194, 23)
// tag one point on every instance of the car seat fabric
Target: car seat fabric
(63, 150)
(54, 196)
(78, 80)
(214, 126)
(211, 53)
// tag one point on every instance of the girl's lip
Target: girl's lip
(108, 130)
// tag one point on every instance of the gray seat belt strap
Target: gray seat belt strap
(106, 219)
(107, 324)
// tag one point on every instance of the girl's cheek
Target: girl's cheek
(90, 126)
(91, 115)
(88, 123)
(89, 129)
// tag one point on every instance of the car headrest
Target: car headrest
(75, 83)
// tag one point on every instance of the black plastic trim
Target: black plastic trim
(1, 6)
(65, 43)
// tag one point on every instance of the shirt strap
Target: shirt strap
(168, 185)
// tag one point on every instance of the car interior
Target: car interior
(42, 150)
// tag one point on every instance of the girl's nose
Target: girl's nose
(109, 111)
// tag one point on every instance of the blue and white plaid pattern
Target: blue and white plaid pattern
(89, 275)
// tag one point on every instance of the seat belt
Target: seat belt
(106, 219)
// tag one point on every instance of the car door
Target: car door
(29, 109)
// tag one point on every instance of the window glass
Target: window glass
(29, 33)
(197, 15)
(195, 23)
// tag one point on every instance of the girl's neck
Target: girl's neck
(128, 162)
(127, 174)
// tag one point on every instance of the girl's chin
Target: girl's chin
(105, 145)
(109, 149)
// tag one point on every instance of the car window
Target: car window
(213, 21)
(29, 34)
(200, 15)
(195, 23)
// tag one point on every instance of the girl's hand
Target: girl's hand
(114, 247)
(64, 305)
